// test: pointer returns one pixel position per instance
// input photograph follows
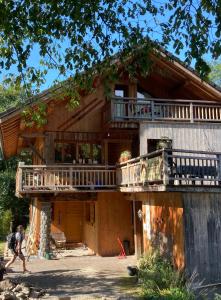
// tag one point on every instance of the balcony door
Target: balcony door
(120, 92)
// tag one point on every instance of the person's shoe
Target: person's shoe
(26, 271)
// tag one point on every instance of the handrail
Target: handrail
(55, 178)
(165, 100)
(154, 109)
(73, 166)
(172, 167)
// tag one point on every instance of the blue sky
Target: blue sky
(53, 74)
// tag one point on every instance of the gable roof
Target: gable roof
(10, 120)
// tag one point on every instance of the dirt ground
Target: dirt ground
(74, 274)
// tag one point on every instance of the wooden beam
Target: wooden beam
(36, 152)
(32, 135)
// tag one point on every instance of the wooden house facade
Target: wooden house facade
(166, 194)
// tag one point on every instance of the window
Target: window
(58, 152)
(90, 153)
(80, 153)
(121, 90)
(69, 152)
(142, 94)
(90, 212)
(65, 153)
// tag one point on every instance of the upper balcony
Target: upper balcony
(162, 170)
(171, 170)
(132, 110)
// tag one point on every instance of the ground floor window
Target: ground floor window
(90, 212)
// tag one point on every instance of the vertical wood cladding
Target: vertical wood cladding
(114, 220)
(202, 220)
(163, 224)
(195, 136)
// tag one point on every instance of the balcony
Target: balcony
(162, 170)
(132, 110)
(171, 170)
(64, 178)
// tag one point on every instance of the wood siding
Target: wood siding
(115, 220)
(91, 231)
(203, 137)
(163, 224)
(68, 218)
(202, 220)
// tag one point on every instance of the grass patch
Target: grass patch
(160, 281)
(2, 247)
(129, 286)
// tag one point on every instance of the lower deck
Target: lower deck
(96, 222)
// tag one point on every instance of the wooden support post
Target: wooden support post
(165, 168)
(191, 113)
(152, 110)
(219, 168)
(112, 110)
(19, 178)
(45, 229)
(71, 178)
(138, 229)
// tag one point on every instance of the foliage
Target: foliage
(5, 222)
(2, 246)
(71, 36)
(159, 279)
(8, 200)
(125, 155)
(11, 95)
(215, 74)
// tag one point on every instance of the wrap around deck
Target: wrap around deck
(166, 169)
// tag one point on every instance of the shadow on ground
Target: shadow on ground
(75, 283)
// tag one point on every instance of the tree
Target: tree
(11, 207)
(215, 74)
(71, 36)
(11, 95)
(18, 208)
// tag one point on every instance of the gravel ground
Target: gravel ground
(75, 274)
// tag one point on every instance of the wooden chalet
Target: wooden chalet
(166, 195)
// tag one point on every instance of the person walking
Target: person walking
(16, 247)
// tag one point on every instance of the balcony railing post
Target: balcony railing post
(112, 108)
(191, 113)
(165, 167)
(20, 165)
(128, 174)
(71, 178)
(219, 168)
(152, 110)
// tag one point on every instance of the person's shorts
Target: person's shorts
(15, 252)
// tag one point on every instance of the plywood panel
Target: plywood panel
(91, 232)
(68, 218)
(163, 224)
(202, 220)
(115, 220)
(205, 137)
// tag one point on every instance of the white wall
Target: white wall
(196, 136)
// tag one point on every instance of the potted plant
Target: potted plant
(124, 156)
(164, 143)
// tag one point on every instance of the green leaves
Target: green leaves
(71, 36)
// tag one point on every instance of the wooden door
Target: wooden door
(74, 222)
(68, 218)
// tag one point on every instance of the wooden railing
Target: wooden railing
(167, 167)
(43, 178)
(171, 167)
(135, 109)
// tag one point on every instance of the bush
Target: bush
(5, 223)
(159, 279)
